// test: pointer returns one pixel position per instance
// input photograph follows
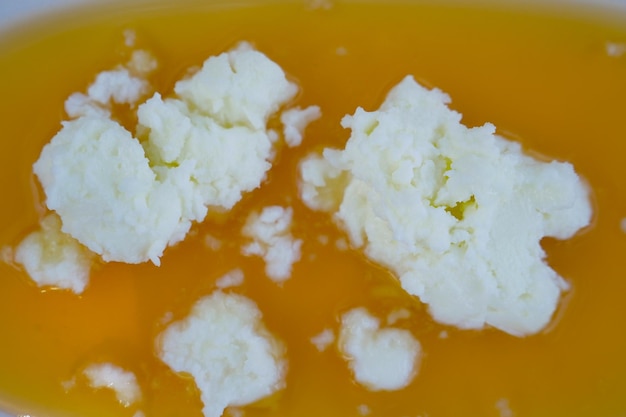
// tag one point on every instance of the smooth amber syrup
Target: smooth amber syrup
(544, 80)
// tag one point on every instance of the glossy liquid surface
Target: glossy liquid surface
(545, 80)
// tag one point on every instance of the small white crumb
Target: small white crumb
(615, 49)
(224, 345)
(272, 240)
(7, 255)
(397, 315)
(139, 413)
(142, 63)
(69, 384)
(323, 340)
(79, 104)
(342, 244)
(117, 86)
(53, 258)
(364, 410)
(233, 278)
(623, 224)
(504, 408)
(381, 359)
(323, 239)
(295, 121)
(212, 242)
(130, 37)
(273, 136)
(341, 51)
(122, 382)
(444, 334)
(166, 318)
(121, 85)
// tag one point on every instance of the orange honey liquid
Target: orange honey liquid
(542, 78)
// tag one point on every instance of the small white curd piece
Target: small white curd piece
(224, 345)
(381, 359)
(53, 258)
(295, 122)
(122, 382)
(272, 240)
(232, 278)
(323, 339)
(456, 213)
(125, 84)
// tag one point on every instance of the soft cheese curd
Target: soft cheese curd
(382, 359)
(225, 346)
(457, 213)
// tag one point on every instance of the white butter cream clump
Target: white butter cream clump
(129, 196)
(456, 213)
(381, 359)
(224, 345)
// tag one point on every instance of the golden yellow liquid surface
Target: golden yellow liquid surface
(541, 77)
